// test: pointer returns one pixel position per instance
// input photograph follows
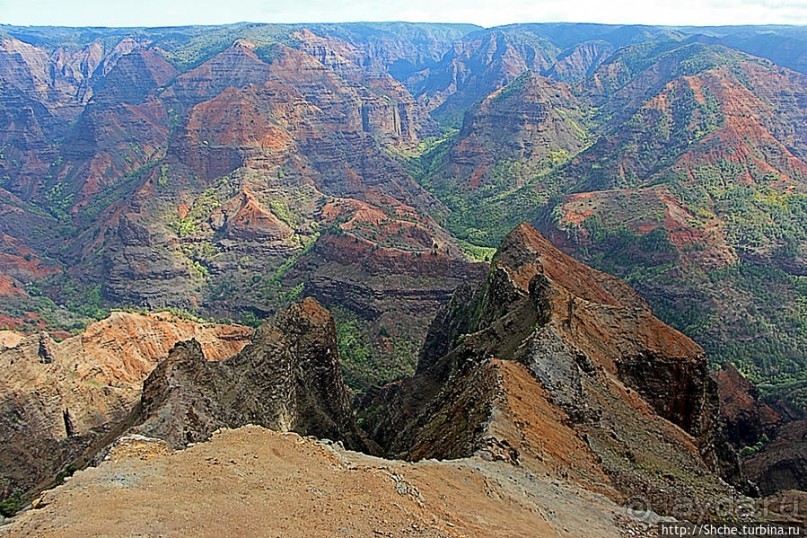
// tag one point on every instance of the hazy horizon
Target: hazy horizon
(157, 13)
(312, 22)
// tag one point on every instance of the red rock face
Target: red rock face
(244, 217)
(745, 137)
(256, 103)
(698, 243)
(22, 263)
(616, 329)
(8, 288)
(527, 122)
(238, 119)
(747, 417)
(103, 136)
(347, 250)
(236, 67)
(547, 341)
(699, 121)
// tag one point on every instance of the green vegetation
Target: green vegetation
(514, 87)
(84, 300)
(423, 161)
(38, 309)
(250, 319)
(281, 210)
(485, 216)
(766, 226)
(11, 504)
(477, 253)
(117, 191)
(202, 251)
(306, 244)
(203, 206)
(371, 359)
(758, 216)
(162, 179)
(269, 53)
(748, 451)
(486, 203)
(64, 473)
(794, 393)
(771, 347)
(190, 46)
(58, 202)
(271, 287)
(199, 270)
(762, 329)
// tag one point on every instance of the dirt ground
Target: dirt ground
(255, 482)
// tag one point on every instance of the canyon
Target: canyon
(550, 378)
(566, 261)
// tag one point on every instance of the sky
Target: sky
(484, 13)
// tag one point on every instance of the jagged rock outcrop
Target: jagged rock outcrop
(547, 344)
(244, 218)
(747, 417)
(774, 449)
(782, 464)
(287, 379)
(58, 399)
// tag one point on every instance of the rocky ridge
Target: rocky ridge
(547, 343)
(287, 379)
(187, 168)
(549, 372)
(333, 491)
(61, 398)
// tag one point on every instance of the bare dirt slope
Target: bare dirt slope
(256, 482)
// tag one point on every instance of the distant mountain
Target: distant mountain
(200, 183)
(225, 173)
(686, 176)
(228, 170)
